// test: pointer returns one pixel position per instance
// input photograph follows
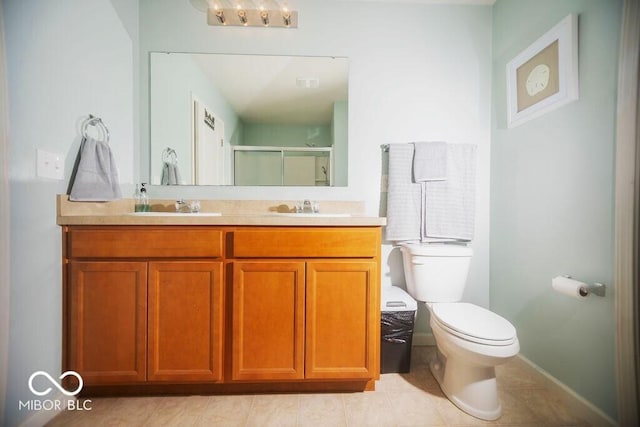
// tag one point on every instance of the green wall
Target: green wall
(552, 182)
(65, 59)
(287, 135)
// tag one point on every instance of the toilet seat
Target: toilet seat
(473, 323)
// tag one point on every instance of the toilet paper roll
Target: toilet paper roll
(569, 287)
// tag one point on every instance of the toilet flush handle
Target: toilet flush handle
(417, 262)
(396, 304)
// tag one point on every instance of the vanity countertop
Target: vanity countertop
(232, 213)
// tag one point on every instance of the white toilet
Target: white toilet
(471, 340)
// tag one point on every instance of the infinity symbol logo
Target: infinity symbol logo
(55, 383)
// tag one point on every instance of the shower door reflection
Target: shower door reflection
(282, 166)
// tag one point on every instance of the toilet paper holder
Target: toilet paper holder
(597, 288)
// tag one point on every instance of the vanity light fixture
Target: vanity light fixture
(264, 17)
(248, 13)
(286, 17)
(242, 16)
(220, 17)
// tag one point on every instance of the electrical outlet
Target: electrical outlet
(49, 165)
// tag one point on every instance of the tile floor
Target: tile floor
(412, 399)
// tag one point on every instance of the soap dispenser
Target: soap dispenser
(142, 199)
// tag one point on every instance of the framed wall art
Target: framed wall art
(544, 76)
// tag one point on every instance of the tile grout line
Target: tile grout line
(246, 420)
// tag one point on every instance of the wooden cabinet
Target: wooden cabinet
(268, 320)
(108, 321)
(342, 319)
(308, 318)
(222, 308)
(143, 321)
(185, 320)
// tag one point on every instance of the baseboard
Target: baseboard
(588, 410)
(42, 417)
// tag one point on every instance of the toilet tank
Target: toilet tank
(436, 272)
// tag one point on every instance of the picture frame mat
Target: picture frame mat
(566, 33)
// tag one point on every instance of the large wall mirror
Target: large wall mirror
(248, 120)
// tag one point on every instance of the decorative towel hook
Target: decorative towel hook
(96, 122)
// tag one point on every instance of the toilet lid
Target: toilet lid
(474, 323)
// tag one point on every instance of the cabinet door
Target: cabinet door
(268, 320)
(185, 321)
(108, 321)
(343, 320)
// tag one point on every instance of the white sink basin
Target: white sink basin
(174, 214)
(313, 215)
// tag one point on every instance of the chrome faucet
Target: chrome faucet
(308, 206)
(183, 206)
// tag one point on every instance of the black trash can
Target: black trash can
(396, 330)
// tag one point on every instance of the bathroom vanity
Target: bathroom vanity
(241, 302)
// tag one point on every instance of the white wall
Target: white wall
(66, 59)
(422, 72)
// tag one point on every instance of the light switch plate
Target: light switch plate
(49, 165)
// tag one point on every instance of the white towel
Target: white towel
(170, 174)
(96, 177)
(403, 196)
(430, 161)
(449, 206)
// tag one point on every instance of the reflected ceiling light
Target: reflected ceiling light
(248, 13)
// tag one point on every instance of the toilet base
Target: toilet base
(473, 389)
